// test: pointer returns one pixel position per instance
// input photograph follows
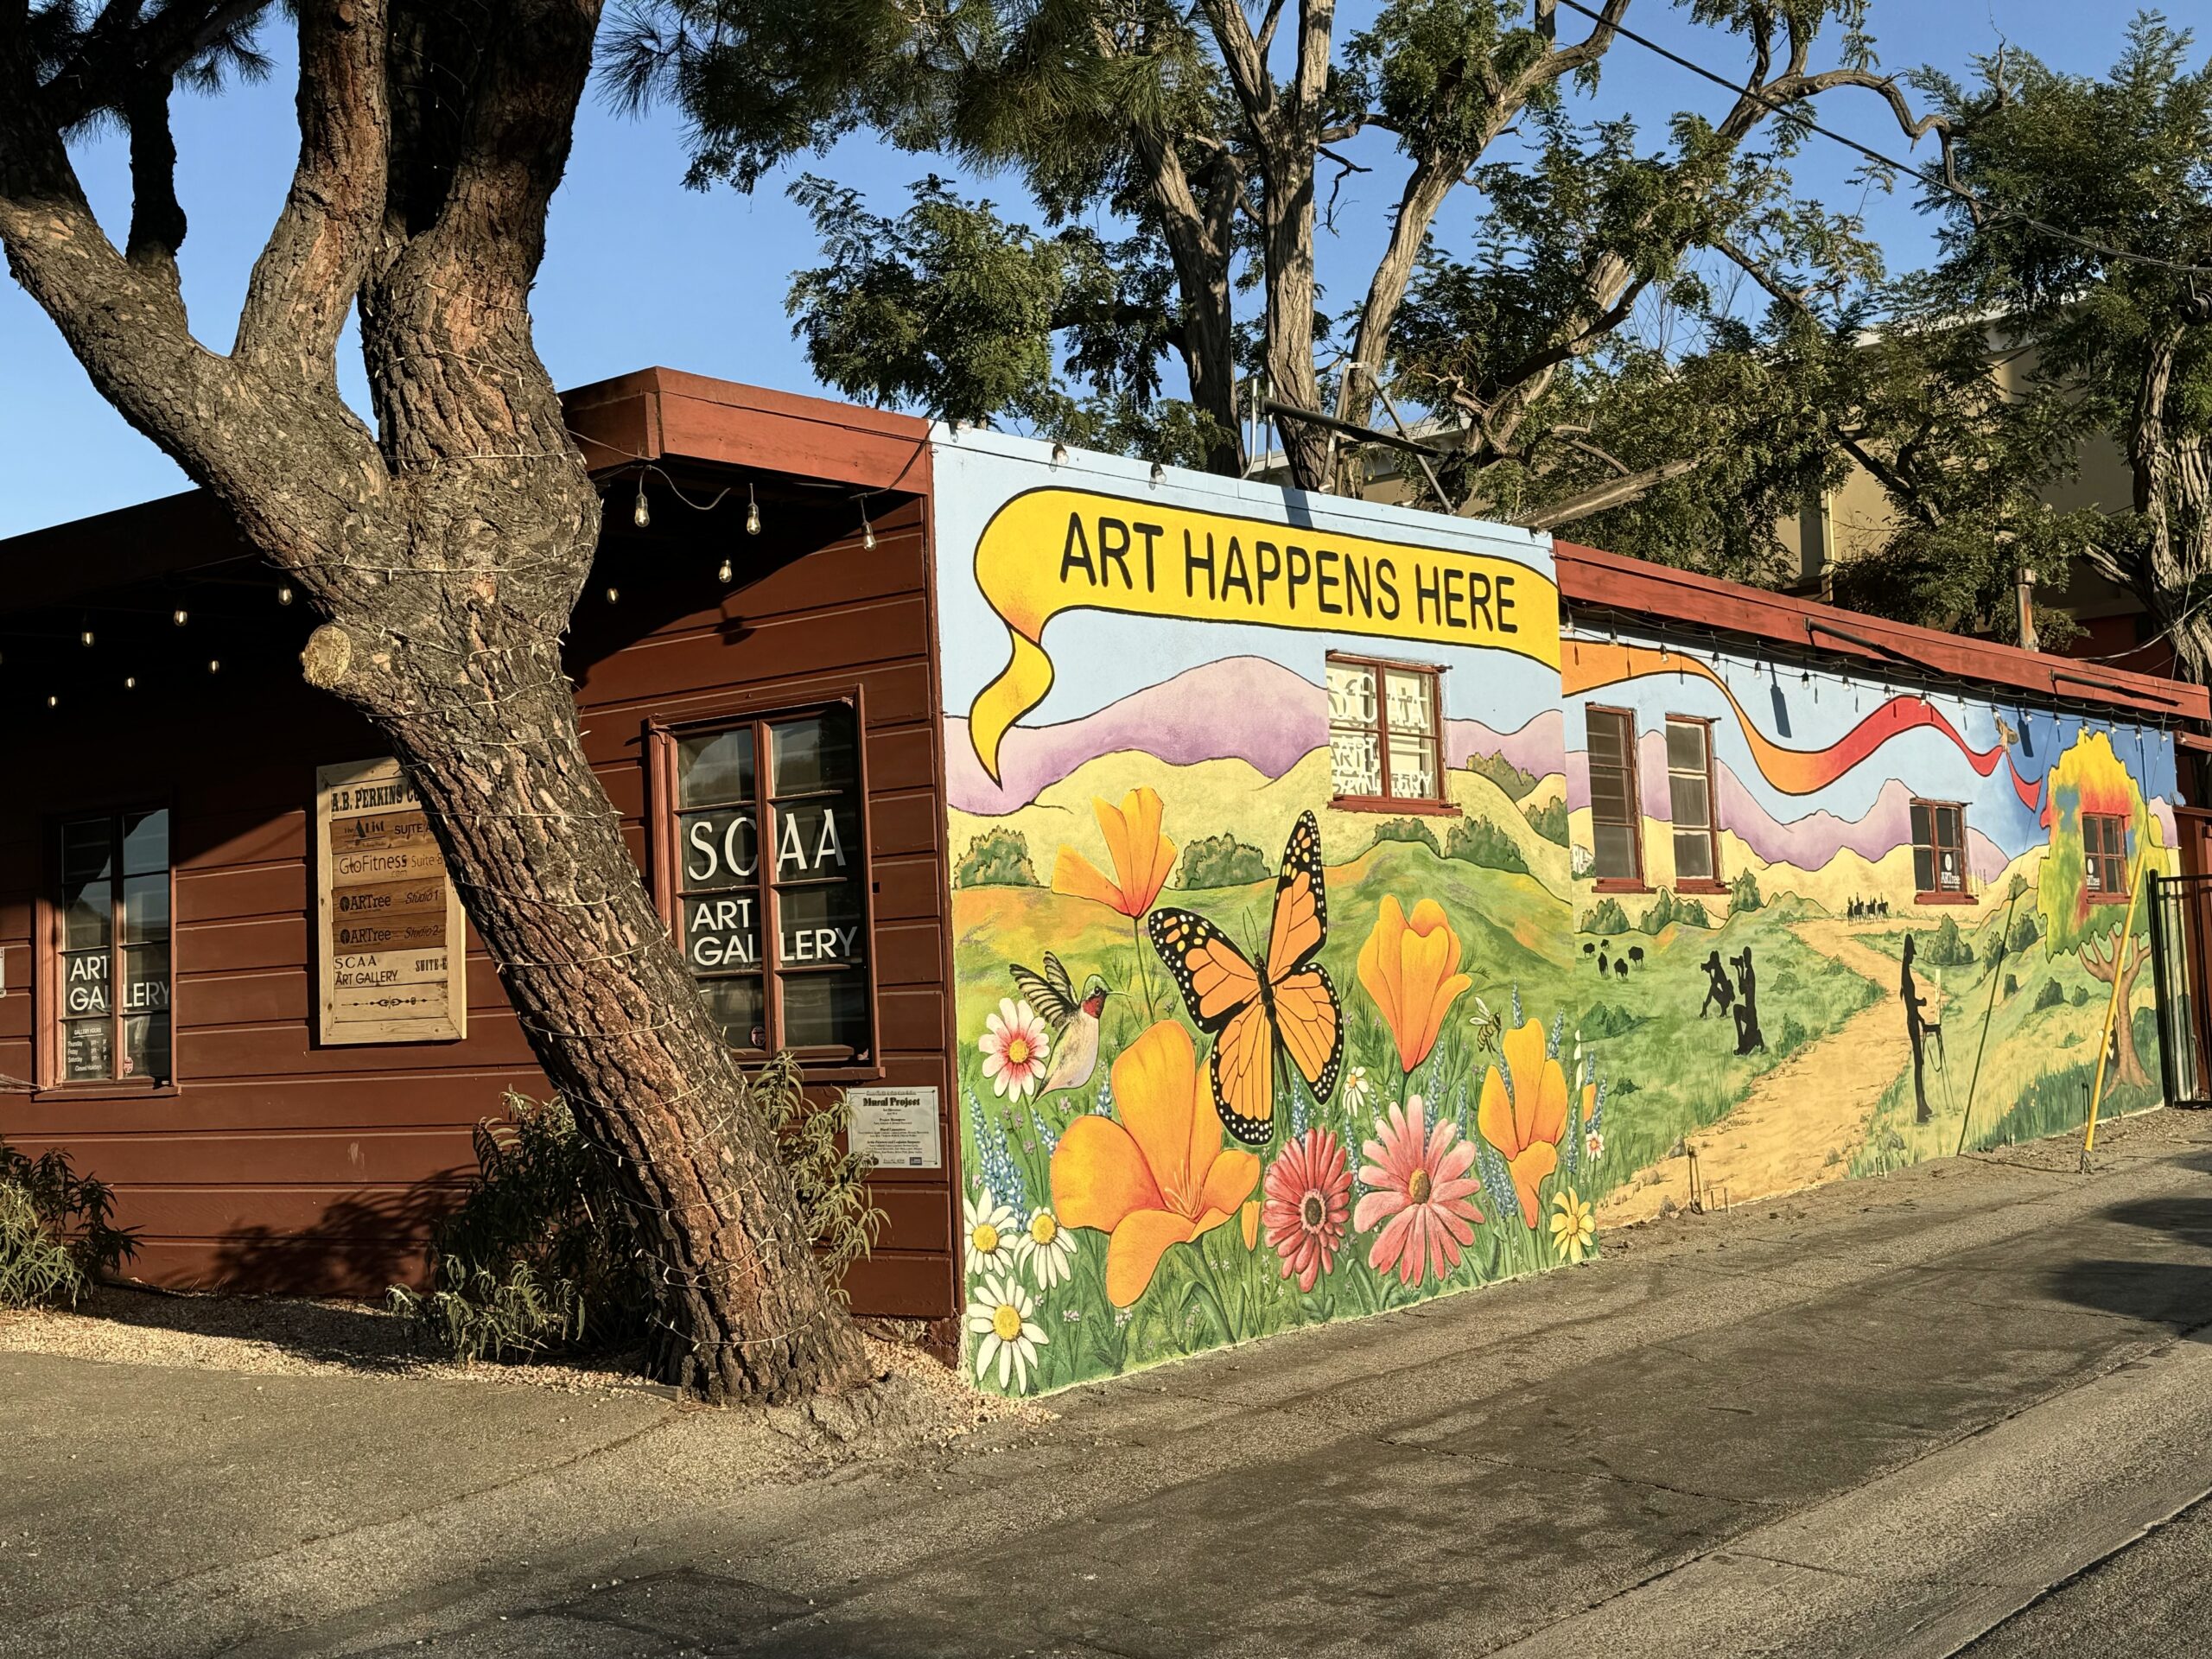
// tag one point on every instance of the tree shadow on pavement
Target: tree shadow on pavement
(2169, 1285)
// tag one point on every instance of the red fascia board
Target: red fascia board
(1588, 576)
(663, 415)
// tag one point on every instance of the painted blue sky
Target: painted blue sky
(641, 271)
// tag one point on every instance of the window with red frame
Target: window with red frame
(1386, 728)
(2104, 854)
(1939, 849)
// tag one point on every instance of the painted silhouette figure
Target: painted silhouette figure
(1919, 1029)
(1748, 1035)
(1854, 910)
(1605, 967)
(1719, 993)
(1620, 968)
(1636, 954)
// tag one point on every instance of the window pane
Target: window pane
(1608, 739)
(825, 1011)
(1923, 869)
(87, 1050)
(720, 848)
(1411, 699)
(1616, 852)
(1686, 746)
(87, 852)
(1356, 763)
(1608, 800)
(2093, 874)
(820, 925)
(1694, 856)
(146, 1047)
(1922, 833)
(1691, 804)
(1412, 768)
(817, 753)
(735, 1004)
(85, 987)
(715, 768)
(145, 908)
(1950, 826)
(146, 980)
(722, 931)
(84, 914)
(1351, 695)
(1949, 876)
(145, 843)
(816, 839)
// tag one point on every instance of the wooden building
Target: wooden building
(184, 1005)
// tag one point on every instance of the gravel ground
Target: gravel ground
(300, 1336)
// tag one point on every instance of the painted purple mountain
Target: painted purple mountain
(1242, 708)
(1808, 842)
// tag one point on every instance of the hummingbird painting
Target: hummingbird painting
(1073, 1019)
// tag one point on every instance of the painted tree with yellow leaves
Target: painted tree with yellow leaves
(2097, 821)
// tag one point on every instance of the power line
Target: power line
(1790, 112)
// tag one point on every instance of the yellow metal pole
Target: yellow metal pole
(2112, 1009)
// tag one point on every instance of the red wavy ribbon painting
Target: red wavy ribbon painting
(1589, 665)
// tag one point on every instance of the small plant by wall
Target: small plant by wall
(1478, 841)
(999, 859)
(57, 1238)
(543, 1256)
(1223, 861)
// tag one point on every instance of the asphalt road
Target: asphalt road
(1883, 1418)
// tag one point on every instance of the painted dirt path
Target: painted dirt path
(1801, 1121)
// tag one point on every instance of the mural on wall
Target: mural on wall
(1263, 954)
(1910, 906)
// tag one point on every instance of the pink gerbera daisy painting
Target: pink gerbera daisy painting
(1015, 1048)
(1420, 1192)
(1309, 1191)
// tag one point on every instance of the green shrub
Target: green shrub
(2050, 995)
(1549, 821)
(1516, 783)
(1743, 894)
(999, 858)
(544, 1253)
(1406, 829)
(1944, 948)
(56, 1234)
(1661, 913)
(1690, 912)
(1477, 841)
(1607, 917)
(1793, 1037)
(1223, 861)
(1605, 1019)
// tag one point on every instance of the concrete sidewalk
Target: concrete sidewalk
(1878, 1418)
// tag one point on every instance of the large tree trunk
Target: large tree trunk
(444, 553)
(2173, 495)
(2128, 1065)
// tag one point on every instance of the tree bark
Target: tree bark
(444, 553)
(2172, 474)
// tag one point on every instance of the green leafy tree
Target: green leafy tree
(1223, 861)
(1743, 894)
(1221, 137)
(997, 858)
(1516, 783)
(1606, 916)
(1661, 913)
(2121, 161)
(1477, 841)
(1549, 821)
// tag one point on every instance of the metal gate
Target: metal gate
(2181, 951)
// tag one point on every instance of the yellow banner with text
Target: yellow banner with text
(1051, 550)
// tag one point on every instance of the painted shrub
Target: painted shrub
(1192, 1116)
(1911, 910)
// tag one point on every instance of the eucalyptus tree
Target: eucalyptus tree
(442, 546)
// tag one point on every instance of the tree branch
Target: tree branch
(318, 253)
(1612, 494)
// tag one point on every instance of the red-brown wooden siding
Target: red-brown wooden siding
(277, 1162)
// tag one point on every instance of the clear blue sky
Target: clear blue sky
(639, 270)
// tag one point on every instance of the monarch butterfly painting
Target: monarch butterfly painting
(1257, 1015)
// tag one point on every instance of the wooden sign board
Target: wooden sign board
(393, 958)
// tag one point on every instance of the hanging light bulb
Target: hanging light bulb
(180, 616)
(52, 702)
(214, 665)
(725, 572)
(1059, 452)
(1159, 474)
(614, 595)
(85, 638)
(641, 515)
(752, 512)
(130, 682)
(868, 530)
(283, 593)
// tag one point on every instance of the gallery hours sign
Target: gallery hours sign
(393, 944)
